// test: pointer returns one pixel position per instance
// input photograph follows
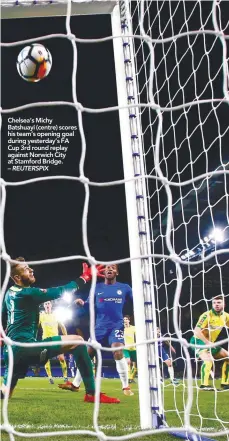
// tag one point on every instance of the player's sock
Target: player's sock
(129, 371)
(84, 365)
(133, 373)
(171, 373)
(225, 373)
(48, 369)
(122, 369)
(64, 368)
(212, 374)
(205, 372)
(77, 380)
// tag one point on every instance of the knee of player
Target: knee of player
(61, 357)
(169, 363)
(75, 338)
(118, 355)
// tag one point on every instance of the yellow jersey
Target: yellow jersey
(50, 325)
(211, 323)
(129, 337)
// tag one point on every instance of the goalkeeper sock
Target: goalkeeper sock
(48, 369)
(205, 372)
(225, 373)
(77, 380)
(171, 373)
(64, 368)
(122, 369)
(133, 373)
(84, 365)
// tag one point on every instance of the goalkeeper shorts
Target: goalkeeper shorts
(23, 357)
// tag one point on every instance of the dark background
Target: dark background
(43, 220)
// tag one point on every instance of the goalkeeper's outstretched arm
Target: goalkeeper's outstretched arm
(23, 277)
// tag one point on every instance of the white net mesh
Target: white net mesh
(176, 72)
(189, 72)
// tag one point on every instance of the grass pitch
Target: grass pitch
(37, 406)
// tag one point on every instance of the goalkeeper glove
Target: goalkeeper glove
(87, 272)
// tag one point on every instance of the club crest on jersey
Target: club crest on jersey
(119, 292)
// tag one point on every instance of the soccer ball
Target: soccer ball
(34, 63)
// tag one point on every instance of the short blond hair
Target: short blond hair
(14, 266)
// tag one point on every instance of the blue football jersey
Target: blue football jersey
(109, 301)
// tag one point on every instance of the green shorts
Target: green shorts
(28, 356)
(197, 341)
(130, 354)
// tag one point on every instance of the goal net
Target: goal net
(182, 74)
(172, 82)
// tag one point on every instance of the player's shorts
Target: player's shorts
(162, 353)
(197, 351)
(29, 356)
(130, 354)
(113, 334)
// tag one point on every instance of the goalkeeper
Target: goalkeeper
(21, 311)
(207, 329)
(50, 325)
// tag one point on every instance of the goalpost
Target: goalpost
(172, 86)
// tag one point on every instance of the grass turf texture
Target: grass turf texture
(37, 406)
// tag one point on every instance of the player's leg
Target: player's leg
(206, 368)
(48, 371)
(169, 363)
(116, 340)
(80, 355)
(207, 365)
(133, 357)
(126, 354)
(20, 367)
(223, 354)
(75, 384)
(63, 365)
(84, 364)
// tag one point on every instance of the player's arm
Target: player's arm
(43, 295)
(62, 328)
(171, 347)
(201, 324)
(227, 323)
(129, 295)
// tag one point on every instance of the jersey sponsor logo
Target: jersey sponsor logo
(99, 293)
(215, 327)
(119, 292)
(111, 299)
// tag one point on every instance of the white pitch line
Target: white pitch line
(89, 427)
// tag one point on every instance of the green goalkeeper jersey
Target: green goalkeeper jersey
(21, 308)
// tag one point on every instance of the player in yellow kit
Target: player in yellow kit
(207, 330)
(130, 353)
(50, 325)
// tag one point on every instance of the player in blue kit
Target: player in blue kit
(72, 365)
(110, 297)
(165, 357)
